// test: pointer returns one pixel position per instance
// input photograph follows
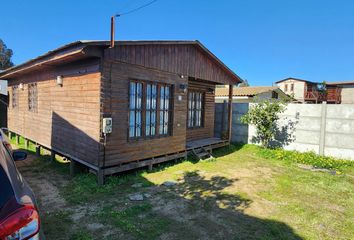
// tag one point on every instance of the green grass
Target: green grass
(309, 158)
(138, 220)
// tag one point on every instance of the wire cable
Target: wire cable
(136, 9)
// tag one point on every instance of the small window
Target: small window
(292, 87)
(32, 97)
(14, 97)
(286, 88)
(195, 109)
(150, 109)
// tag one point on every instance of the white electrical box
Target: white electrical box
(107, 125)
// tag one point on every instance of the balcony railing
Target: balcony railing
(332, 95)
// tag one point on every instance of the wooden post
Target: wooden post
(10, 135)
(17, 139)
(229, 129)
(73, 168)
(26, 143)
(38, 150)
(100, 177)
(52, 156)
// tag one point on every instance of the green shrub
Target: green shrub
(264, 116)
(309, 158)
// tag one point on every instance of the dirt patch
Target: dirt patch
(44, 185)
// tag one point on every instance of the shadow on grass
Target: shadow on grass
(221, 214)
(203, 205)
(195, 207)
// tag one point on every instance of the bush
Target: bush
(264, 115)
(309, 158)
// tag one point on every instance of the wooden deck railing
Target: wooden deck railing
(332, 95)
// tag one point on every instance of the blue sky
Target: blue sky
(262, 41)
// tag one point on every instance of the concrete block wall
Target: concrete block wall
(322, 128)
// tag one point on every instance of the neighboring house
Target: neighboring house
(248, 94)
(346, 90)
(158, 94)
(310, 92)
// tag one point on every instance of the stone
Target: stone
(305, 167)
(137, 185)
(147, 195)
(94, 226)
(169, 183)
(136, 197)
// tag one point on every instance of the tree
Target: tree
(5, 56)
(264, 115)
(322, 87)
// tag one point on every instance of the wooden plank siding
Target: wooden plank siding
(115, 103)
(96, 85)
(207, 129)
(68, 117)
(185, 59)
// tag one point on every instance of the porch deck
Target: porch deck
(209, 143)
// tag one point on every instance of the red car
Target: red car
(19, 217)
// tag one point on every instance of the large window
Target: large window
(150, 109)
(195, 109)
(32, 97)
(14, 97)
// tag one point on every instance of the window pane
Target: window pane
(166, 122)
(162, 98)
(153, 96)
(138, 123)
(147, 123)
(167, 100)
(153, 123)
(139, 91)
(132, 95)
(161, 122)
(132, 124)
(148, 96)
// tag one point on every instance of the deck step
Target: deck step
(202, 153)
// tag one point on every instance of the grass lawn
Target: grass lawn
(239, 195)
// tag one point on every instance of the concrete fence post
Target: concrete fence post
(323, 128)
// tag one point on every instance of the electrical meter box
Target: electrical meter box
(107, 125)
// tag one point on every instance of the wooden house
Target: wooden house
(153, 99)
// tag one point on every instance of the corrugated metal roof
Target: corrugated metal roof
(244, 91)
